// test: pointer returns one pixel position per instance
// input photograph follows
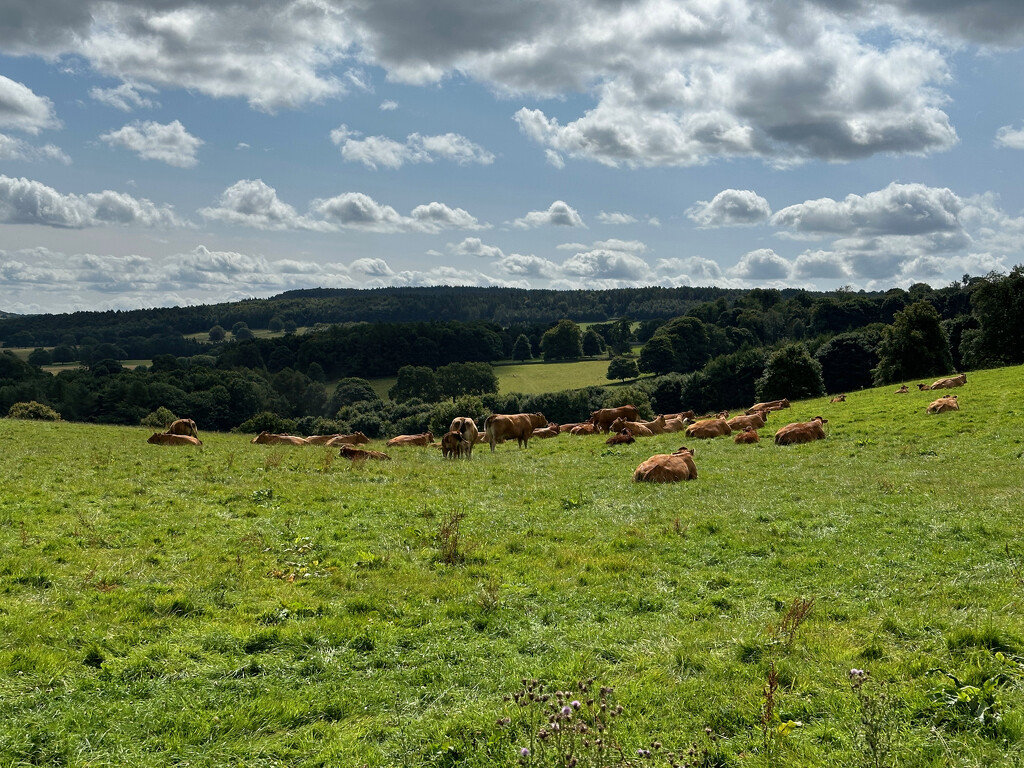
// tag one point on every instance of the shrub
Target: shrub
(161, 418)
(33, 410)
(267, 421)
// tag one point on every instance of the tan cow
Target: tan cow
(659, 426)
(949, 382)
(551, 430)
(466, 426)
(675, 425)
(164, 438)
(681, 415)
(708, 428)
(500, 427)
(903, 390)
(667, 468)
(771, 405)
(748, 435)
(943, 404)
(603, 418)
(838, 399)
(352, 453)
(583, 429)
(356, 438)
(620, 438)
(269, 438)
(637, 428)
(802, 432)
(422, 439)
(183, 427)
(755, 420)
(454, 445)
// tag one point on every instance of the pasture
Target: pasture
(241, 604)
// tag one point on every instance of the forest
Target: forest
(700, 348)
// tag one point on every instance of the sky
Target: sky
(179, 152)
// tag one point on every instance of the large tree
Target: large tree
(564, 341)
(690, 341)
(456, 379)
(792, 373)
(914, 346)
(416, 381)
(522, 350)
(657, 355)
(622, 368)
(846, 362)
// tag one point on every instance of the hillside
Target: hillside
(244, 604)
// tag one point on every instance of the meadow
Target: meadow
(241, 604)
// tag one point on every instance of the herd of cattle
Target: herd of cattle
(621, 423)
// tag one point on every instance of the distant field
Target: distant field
(246, 605)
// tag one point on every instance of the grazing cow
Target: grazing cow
(603, 418)
(755, 420)
(949, 382)
(356, 438)
(183, 427)
(838, 399)
(638, 428)
(500, 427)
(352, 453)
(771, 405)
(943, 404)
(585, 428)
(682, 415)
(802, 432)
(422, 439)
(667, 468)
(748, 435)
(709, 428)
(551, 430)
(466, 427)
(164, 438)
(269, 438)
(622, 437)
(454, 445)
(903, 390)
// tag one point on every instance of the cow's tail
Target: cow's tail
(489, 430)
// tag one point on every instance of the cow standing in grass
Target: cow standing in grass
(500, 427)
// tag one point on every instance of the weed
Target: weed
(877, 723)
(449, 538)
(962, 706)
(785, 631)
(489, 594)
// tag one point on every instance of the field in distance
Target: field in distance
(241, 604)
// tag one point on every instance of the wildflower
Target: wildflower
(576, 704)
(524, 752)
(566, 711)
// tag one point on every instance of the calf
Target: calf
(748, 435)
(903, 390)
(454, 445)
(356, 438)
(838, 399)
(619, 438)
(352, 453)
(802, 432)
(551, 430)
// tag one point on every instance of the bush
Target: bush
(267, 421)
(161, 418)
(33, 410)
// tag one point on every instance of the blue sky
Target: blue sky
(169, 152)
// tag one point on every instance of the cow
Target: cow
(466, 427)
(183, 427)
(638, 428)
(709, 428)
(269, 438)
(943, 404)
(352, 453)
(755, 420)
(551, 430)
(675, 425)
(748, 435)
(771, 405)
(659, 426)
(586, 428)
(802, 432)
(667, 468)
(603, 418)
(166, 438)
(949, 382)
(620, 438)
(500, 427)
(454, 445)
(422, 439)
(681, 415)
(903, 390)
(838, 399)
(356, 438)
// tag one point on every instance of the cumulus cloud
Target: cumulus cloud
(474, 246)
(388, 105)
(762, 264)
(730, 207)
(559, 213)
(527, 266)
(23, 201)
(125, 97)
(252, 203)
(23, 110)
(170, 143)
(12, 148)
(374, 151)
(1010, 137)
(606, 264)
(691, 271)
(615, 217)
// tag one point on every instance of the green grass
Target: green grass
(251, 605)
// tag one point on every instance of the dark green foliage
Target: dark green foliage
(350, 391)
(522, 350)
(998, 303)
(847, 361)
(563, 342)
(791, 373)
(415, 381)
(622, 368)
(593, 343)
(267, 421)
(457, 379)
(657, 356)
(40, 357)
(217, 333)
(63, 354)
(566, 406)
(914, 346)
(690, 342)
(161, 418)
(666, 393)
(32, 410)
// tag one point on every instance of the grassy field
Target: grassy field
(249, 605)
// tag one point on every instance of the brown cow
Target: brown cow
(569, 427)
(682, 415)
(603, 418)
(356, 438)
(675, 425)
(500, 427)
(620, 438)
(164, 438)
(802, 432)
(422, 439)
(748, 435)
(659, 426)
(638, 428)
(183, 427)
(466, 427)
(583, 429)
(903, 390)
(771, 405)
(268, 438)
(949, 382)
(454, 445)
(709, 428)
(361, 454)
(551, 430)
(838, 399)
(943, 404)
(755, 420)
(667, 468)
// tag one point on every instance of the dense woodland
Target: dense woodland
(704, 348)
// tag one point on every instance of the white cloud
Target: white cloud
(23, 110)
(388, 105)
(1012, 138)
(527, 266)
(474, 246)
(730, 207)
(762, 264)
(435, 217)
(170, 143)
(371, 267)
(375, 151)
(126, 97)
(820, 265)
(558, 213)
(23, 201)
(607, 264)
(17, 149)
(615, 217)
(251, 203)
(554, 158)
(692, 270)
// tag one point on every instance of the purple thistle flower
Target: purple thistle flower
(576, 704)
(524, 752)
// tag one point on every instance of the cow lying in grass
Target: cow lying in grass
(708, 428)
(755, 420)
(748, 435)
(802, 432)
(338, 439)
(637, 428)
(943, 404)
(771, 405)
(162, 438)
(422, 439)
(269, 438)
(352, 453)
(667, 468)
(947, 383)
(622, 437)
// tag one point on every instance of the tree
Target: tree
(846, 362)
(63, 354)
(217, 333)
(593, 343)
(657, 356)
(563, 342)
(622, 368)
(792, 373)
(243, 333)
(521, 350)
(690, 341)
(415, 381)
(457, 379)
(40, 357)
(998, 303)
(275, 324)
(350, 391)
(914, 346)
